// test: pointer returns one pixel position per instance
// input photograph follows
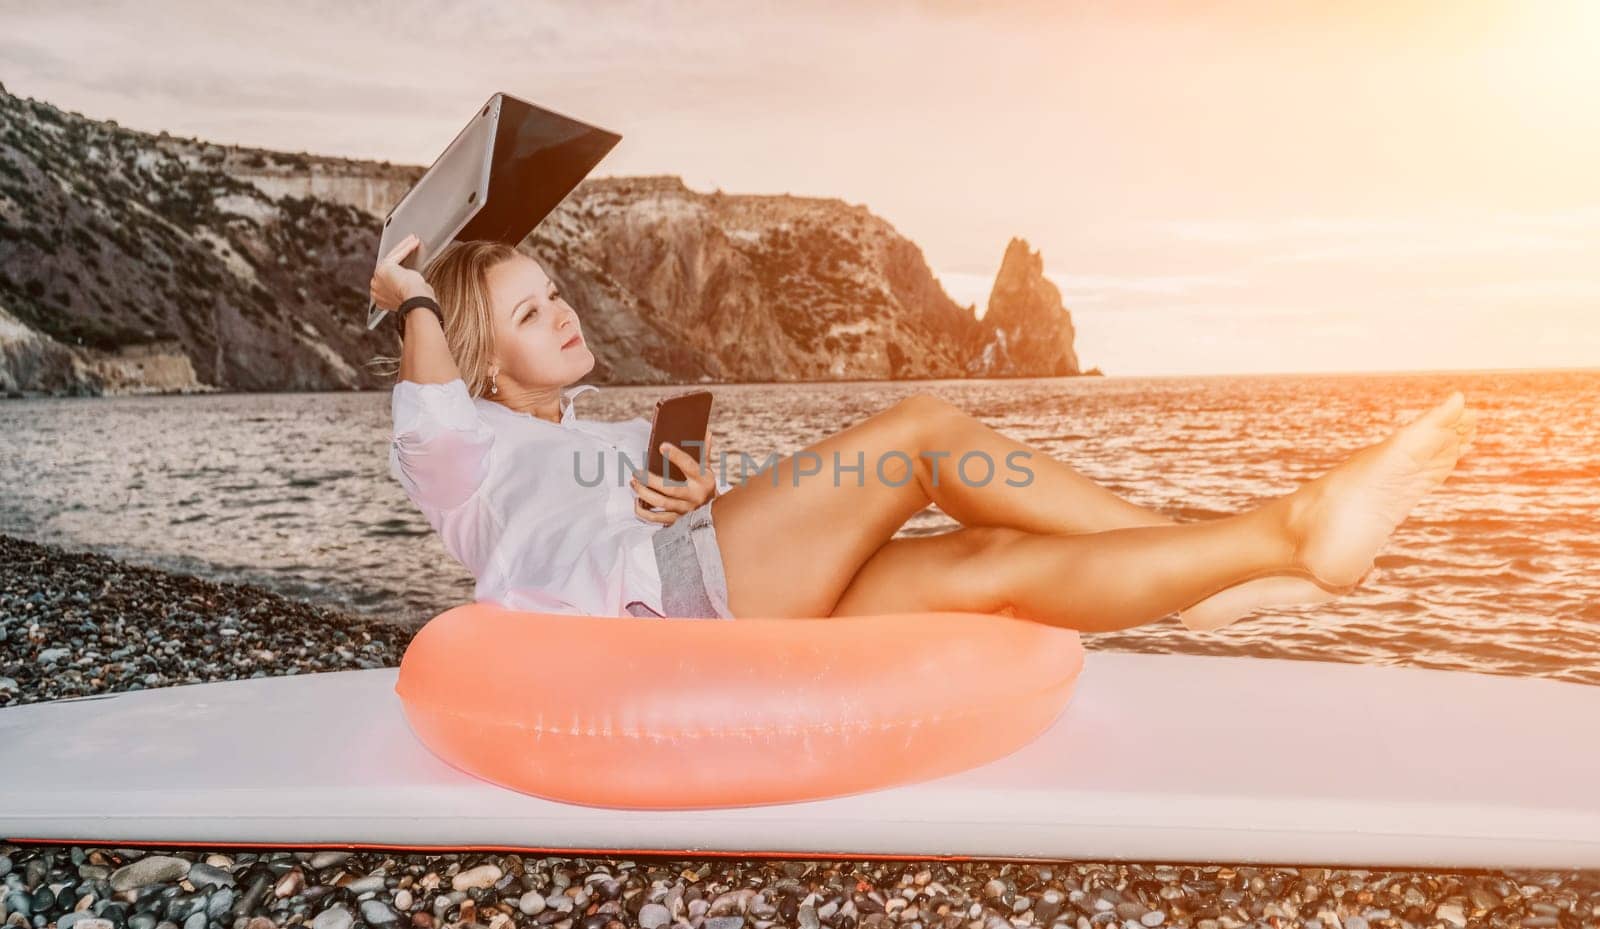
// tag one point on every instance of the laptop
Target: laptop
(507, 169)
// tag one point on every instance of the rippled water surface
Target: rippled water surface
(1497, 571)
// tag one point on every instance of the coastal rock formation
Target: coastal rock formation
(134, 262)
(137, 253)
(766, 288)
(1029, 330)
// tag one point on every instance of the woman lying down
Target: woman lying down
(487, 444)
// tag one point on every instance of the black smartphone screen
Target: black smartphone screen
(679, 420)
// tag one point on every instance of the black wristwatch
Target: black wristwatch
(411, 304)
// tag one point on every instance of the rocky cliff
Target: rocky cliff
(1029, 331)
(134, 262)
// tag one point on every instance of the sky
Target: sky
(1216, 187)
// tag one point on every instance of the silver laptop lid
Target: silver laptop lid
(505, 171)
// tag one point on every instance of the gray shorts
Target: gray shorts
(692, 583)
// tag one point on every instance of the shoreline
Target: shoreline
(1093, 372)
(76, 624)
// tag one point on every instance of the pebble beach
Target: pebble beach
(76, 624)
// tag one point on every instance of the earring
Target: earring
(494, 388)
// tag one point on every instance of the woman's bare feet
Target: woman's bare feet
(1342, 519)
(1233, 603)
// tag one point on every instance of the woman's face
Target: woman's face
(538, 342)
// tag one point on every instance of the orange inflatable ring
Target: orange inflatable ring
(646, 713)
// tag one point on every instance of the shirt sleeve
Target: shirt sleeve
(441, 445)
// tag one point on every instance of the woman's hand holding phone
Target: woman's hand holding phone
(675, 499)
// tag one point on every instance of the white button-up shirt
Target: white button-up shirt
(506, 491)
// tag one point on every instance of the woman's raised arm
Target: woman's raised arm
(441, 447)
(424, 354)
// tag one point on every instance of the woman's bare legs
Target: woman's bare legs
(1087, 581)
(1342, 519)
(793, 534)
(838, 517)
(1092, 582)
(1075, 503)
(830, 526)
(1081, 505)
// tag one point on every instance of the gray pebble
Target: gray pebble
(369, 884)
(334, 917)
(154, 869)
(220, 903)
(653, 916)
(378, 913)
(532, 903)
(202, 875)
(327, 859)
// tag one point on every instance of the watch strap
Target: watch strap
(411, 303)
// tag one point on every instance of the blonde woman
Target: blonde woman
(488, 445)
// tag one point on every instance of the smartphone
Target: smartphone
(679, 419)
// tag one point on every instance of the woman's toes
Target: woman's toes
(1422, 438)
(1447, 411)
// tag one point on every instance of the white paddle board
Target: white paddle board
(1173, 758)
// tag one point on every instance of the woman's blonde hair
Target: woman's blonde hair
(459, 276)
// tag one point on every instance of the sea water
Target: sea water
(1498, 571)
